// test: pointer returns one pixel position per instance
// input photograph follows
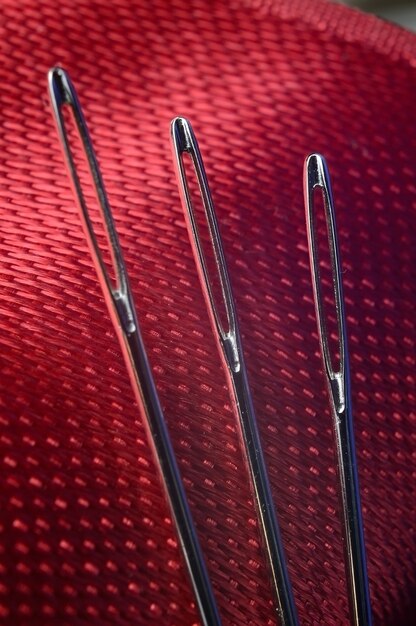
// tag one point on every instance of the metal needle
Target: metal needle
(121, 307)
(316, 176)
(229, 342)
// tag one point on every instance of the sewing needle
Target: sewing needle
(122, 310)
(316, 177)
(230, 348)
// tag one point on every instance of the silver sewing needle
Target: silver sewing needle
(121, 307)
(229, 342)
(316, 177)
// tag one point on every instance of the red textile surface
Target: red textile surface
(85, 534)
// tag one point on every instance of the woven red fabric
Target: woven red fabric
(85, 534)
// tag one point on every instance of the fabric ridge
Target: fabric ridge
(85, 532)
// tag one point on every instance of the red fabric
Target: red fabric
(85, 534)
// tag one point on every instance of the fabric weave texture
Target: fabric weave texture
(85, 532)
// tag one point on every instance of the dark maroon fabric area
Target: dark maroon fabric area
(85, 533)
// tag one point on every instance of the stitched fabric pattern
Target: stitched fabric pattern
(85, 534)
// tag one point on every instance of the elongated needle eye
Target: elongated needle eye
(317, 178)
(184, 143)
(229, 342)
(122, 311)
(63, 94)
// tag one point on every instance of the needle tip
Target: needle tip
(182, 134)
(60, 87)
(316, 171)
